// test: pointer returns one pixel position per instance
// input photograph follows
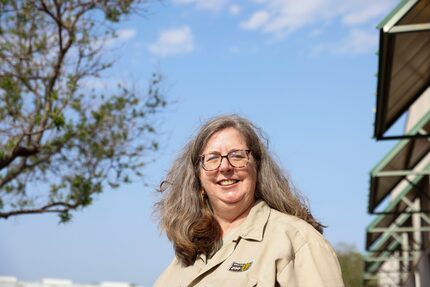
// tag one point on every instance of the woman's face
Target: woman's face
(229, 189)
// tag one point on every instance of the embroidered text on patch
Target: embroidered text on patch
(239, 267)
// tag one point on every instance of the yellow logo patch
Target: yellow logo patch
(239, 267)
(246, 266)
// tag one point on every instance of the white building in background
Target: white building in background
(10, 281)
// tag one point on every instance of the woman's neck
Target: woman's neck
(229, 221)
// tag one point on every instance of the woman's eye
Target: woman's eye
(211, 157)
(237, 155)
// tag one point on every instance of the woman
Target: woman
(234, 219)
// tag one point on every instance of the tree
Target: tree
(60, 141)
(352, 265)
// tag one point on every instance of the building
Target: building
(10, 281)
(397, 240)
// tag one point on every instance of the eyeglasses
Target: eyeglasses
(236, 158)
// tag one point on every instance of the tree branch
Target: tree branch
(45, 209)
(19, 152)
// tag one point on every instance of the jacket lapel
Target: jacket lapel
(215, 261)
(252, 229)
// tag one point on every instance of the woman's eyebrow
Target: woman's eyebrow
(211, 151)
(229, 151)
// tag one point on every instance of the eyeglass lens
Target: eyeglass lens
(237, 158)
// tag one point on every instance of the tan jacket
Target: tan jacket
(270, 249)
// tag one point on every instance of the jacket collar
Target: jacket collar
(251, 229)
(253, 226)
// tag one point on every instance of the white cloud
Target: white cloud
(284, 16)
(360, 14)
(234, 10)
(126, 34)
(281, 16)
(122, 36)
(174, 41)
(101, 84)
(358, 41)
(210, 5)
(256, 20)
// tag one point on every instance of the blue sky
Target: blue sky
(303, 71)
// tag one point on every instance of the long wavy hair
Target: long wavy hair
(186, 215)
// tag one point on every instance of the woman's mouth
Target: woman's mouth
(227, 182)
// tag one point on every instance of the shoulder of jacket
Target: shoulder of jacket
(296, 229)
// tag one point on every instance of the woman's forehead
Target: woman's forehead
(225, 140)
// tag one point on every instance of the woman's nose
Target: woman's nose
(225, 165)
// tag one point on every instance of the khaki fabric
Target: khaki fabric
(269, 249)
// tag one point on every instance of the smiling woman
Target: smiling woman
(229, 187)
(234, 219)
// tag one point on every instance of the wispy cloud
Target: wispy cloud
(101, 84)
(282, 17)
(279, 18)
(210, 5)
(257, 20)
(285, 16)
(357, 13)
(172, 42)
(234, 9)
(357, 41)
(122, 36)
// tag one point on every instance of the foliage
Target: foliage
(60, 141)
(352, 265)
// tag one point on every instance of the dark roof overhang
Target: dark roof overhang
(399, 164)
(404, 64)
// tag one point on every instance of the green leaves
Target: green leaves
(115, 9)
(58, 120)
(81, 190)
(12, 95)
(65, 217)
(113, 14)
(352, 264)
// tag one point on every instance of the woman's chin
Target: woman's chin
(233, 198)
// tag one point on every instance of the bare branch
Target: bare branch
(49, 208)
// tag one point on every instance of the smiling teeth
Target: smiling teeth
(227, 182)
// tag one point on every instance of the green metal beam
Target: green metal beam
(391, 19)
(400, 173)
(396, 200)
(391, 248)
(386, 258)
(389, 233)
(396, 149)
(400, 229)
(422, 215)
